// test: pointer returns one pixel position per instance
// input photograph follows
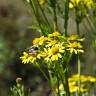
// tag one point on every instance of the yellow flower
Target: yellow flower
(75, 47)
(40, 41)
(41, 2)
(28, 58)
(73, 89)
(88, 3)
(82, 78)
(83, 89)
(54, 53)
(51, 43)
(73, 3)
(36, 41)
(72, 83)
(73, 37)
(54, 34)
(41, 54)
(91, 79)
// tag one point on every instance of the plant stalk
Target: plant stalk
(77, 20)
(36, 15)
(66, 16)
(55, 16)
(43, 13)
(79, 68)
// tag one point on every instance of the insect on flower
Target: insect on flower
(32, 49)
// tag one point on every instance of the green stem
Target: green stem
(79, 67)
(66, 67)
(60, 73)
(44, 14)
(58, 84)
(51, 82)
(66, 83)
(42, 72)
(77, 24)
(70, 56)
(36, 15)
(64, 79)
(77, 20)
(78, 61)
(66, 16)
(55, 19)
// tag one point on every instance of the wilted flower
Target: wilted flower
(18, 80)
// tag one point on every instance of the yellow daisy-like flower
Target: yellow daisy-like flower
(82, 78)
(41, 54)
(73, 37)
(36, 41)
(75, 47)
(72, 88)
(40, 41)
(54, 53)
(27, 58)
(51, 43)
(72, 82)
(54, 34)
(76, 78)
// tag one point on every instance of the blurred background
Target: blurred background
(15, 37)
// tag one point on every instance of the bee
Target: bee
(32, 49)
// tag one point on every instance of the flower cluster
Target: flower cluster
(73, 83)
(52, 48)
(86, 3)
